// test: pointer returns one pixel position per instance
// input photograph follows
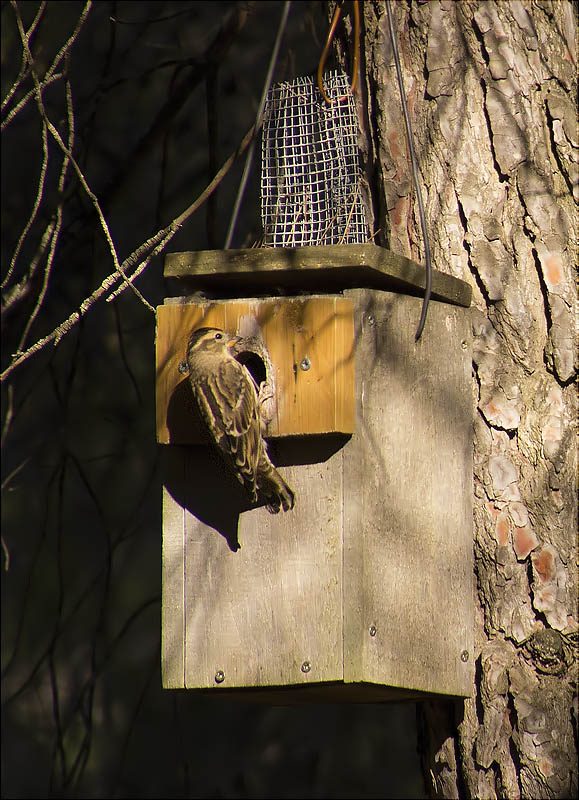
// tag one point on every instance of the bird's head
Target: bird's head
(211, 341)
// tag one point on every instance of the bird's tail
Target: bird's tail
(275, 491)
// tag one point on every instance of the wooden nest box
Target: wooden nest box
(364, 591)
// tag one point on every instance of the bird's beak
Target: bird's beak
(234, 341)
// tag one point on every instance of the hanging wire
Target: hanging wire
(258, 124)
(321, 65)
(428, 287)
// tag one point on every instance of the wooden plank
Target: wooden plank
(319, 399)
(324, 268)
(264, 592)
(173, 574)
(408, 574)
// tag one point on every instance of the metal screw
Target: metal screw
(183, 368)
(219, 676)
(305, 364)
(306, 666)
(463, 344)
(464, 656)
(372, 630)
(370, 319)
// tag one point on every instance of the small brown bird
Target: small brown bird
(227, 397)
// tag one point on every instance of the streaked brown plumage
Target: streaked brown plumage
(227, 397)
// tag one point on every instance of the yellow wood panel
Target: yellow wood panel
(319, 399)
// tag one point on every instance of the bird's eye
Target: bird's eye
(219, 336)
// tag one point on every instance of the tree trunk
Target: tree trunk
(491, 90)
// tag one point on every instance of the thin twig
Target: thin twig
(33, 213)
(49, 77)
(160, 239)
(23, 72)
(8, 479)
(6, 552)
(215, 54)
(258, 124)
(352, 207)
(77, 169)
(165, 236)
(8, 416)
(292, 230)
(18, 291)
(211, 95)
(22, 103)
(58, 223)
(70, 41)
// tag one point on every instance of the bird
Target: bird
(227, 398)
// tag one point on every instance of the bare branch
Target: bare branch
(8, 416)
(23, 72)
(34, 212)
(216, 52)
(157, 243)
(70, 41)
(70, 156)
(49, 76)
(165, 235)
(24, 102)
(57, 224)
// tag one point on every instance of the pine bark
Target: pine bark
(492, 92)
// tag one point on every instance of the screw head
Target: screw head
(219, 676)
(372, 630)
(464, 656)
(464, 344)
(371, 320)
(306, 666)
(305, 364)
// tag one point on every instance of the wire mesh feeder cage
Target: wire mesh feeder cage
(310, 175)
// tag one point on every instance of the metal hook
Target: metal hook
(332, 31)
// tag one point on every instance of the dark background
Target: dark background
(83, 712)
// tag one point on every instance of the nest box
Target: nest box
(364, 591)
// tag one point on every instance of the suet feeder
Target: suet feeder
(364, 591)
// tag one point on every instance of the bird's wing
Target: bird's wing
(228, 401)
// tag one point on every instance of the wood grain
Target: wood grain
(368, 582)
(319, 399)
(408, 555)
(325, 268)
(173, 575)
(263, 593)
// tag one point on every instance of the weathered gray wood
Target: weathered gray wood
(332, 267)
(173, 577)
(258, 613)
(369, 579)
(407, 500)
